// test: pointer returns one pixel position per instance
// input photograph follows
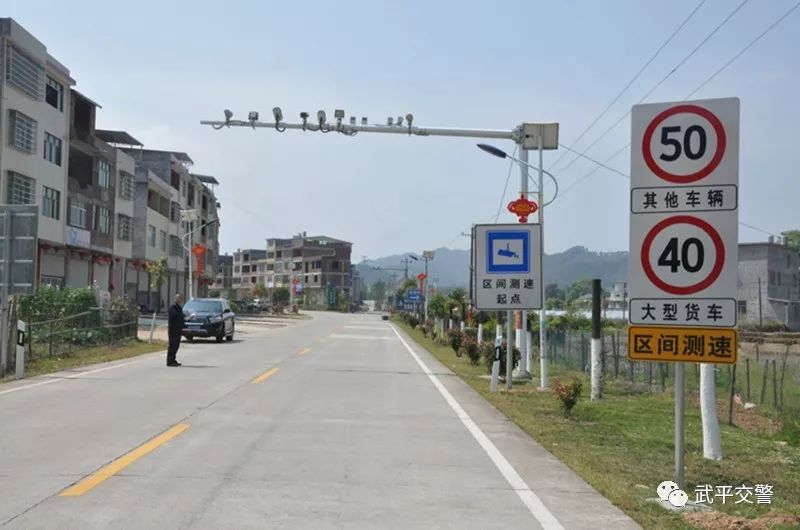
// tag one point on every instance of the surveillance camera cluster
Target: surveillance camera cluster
(321, 124)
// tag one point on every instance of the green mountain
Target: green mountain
(450, 268)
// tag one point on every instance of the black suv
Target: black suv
(208, 317)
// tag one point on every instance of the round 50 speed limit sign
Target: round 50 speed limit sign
(684, 144)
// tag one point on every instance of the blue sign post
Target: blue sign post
(413, 295)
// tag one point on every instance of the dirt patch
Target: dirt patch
(721, 521)
(751, 420)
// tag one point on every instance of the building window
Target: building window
(104, 174)
(52, 281)
(742, 307)
(162, 240)
(335, 265)
(23, 131)
(52, 148)
(176, 212)
(125, 186)
(21, 189)
(51, 203)
(316, 278)
(236, 269)
(151, 235)
(24, 73)
(77, 213)
(124, 227)
(175, 247)
(54, 94)
(102, 220)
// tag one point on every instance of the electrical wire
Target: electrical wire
(505, 188)
(661, 81)
(749, 45)
(632, 80)
(757, 229)
(715, 74)
(599, 164)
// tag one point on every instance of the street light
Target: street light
(499, 153)
(538, 136)
(191, 216)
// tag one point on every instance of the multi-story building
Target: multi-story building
(309, 265)
(107, 206)
(35, 108)
(224, 280)
(166, 191)
(249, 270)
(126, 273)
(773, 271)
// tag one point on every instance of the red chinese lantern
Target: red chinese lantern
(522, 208)
(199, 250)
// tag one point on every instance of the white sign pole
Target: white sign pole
(679, 428)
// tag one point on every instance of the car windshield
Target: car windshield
(203, 306)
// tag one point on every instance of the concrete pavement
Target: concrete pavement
(336, 422)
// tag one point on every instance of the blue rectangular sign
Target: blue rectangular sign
(412, 295)
(508, 251)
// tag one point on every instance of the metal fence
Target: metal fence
(63, 336)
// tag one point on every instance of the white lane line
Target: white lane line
(359, 337)
(534, 503)
(371, 328)
(71, 376)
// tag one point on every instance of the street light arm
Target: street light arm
(555, 182)
(187, 234)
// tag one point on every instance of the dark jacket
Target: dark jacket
(176, 320)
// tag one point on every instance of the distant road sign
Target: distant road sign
(507, 267)
(413, 295)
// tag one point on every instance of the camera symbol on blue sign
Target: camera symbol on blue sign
(508, 252)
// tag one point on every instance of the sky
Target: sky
(158, 68)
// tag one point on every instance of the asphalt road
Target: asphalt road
(335, 422)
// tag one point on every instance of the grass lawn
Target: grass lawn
(94, 355)
(623, 444)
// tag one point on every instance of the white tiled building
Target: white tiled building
(34, 138)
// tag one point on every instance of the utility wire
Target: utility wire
(632, 80)
(505, 188)
(715, 74)
(661, 81)
(757, 229)
(749, 45)
(599, 164)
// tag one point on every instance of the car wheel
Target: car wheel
(221, 335)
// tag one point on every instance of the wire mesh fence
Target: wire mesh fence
(62, 336)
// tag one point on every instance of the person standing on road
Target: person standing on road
(175, 325)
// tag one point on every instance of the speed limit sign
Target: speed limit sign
(684, 214)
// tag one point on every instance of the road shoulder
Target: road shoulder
(573, 502)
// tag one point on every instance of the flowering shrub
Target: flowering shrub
(567, 394)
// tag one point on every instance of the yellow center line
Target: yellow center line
(99, 476)
(263, 377)
(304, 351)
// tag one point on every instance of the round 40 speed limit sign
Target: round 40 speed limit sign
(682, 255)
(684, 200)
